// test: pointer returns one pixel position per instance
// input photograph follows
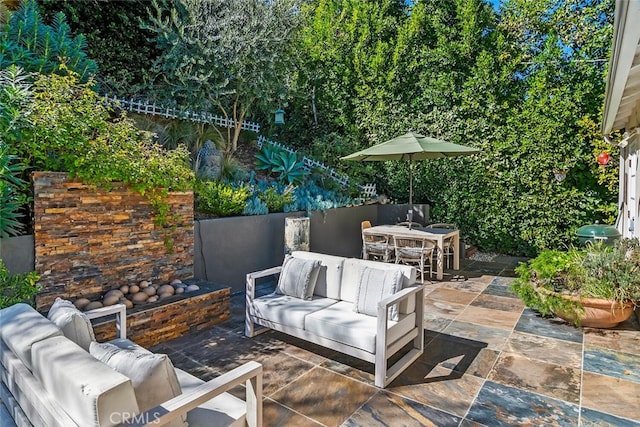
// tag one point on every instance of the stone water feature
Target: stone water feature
(92, 243)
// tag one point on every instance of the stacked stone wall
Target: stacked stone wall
(89, 240)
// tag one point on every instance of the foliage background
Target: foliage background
(523, 83)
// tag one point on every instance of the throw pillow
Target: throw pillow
(298, 277)
(152, 375)
(74, 324)
(375, 285)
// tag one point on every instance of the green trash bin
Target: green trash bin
(592, 233)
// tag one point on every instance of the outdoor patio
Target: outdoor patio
(487, 361)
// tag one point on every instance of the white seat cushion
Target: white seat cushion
(22, 326)
(89, 391)
(287, 310)
(340, 323)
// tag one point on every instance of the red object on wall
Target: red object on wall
(603, 158)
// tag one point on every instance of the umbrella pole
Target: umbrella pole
(410, 215)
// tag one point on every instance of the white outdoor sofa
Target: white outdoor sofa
(50, 379)
(350, 309)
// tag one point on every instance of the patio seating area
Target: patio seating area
(487, 361)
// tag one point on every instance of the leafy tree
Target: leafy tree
(123, 51)
(226, 56)
(27, 42)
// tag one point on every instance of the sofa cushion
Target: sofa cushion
(74, 324)
(287, 310)
(298, 277)
(89, 391)
(351, 277)
(340, 323)
(152, 375)
(330, 275)
(373, 286)
(22, 326)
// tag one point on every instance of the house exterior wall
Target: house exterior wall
(629, 193)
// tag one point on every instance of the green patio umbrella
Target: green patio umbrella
(411, 146)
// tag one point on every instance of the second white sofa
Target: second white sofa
(367, 309)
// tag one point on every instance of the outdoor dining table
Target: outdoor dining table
(437, 235)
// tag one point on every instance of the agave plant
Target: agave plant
(285, 164)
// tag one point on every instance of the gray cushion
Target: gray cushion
(74, 324)
(375, 285)
(298, 277)
(22, 326)
(152, 375)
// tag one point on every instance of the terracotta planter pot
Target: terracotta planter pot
(599, 313)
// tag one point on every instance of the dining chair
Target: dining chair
(447, 244)
(415, 251)
(376, 247)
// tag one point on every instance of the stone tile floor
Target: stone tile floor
(488, 361)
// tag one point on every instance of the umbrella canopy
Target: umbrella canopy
(411, 146)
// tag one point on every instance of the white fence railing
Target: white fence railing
(144, 107)
(368, 190)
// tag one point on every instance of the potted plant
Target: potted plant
(596, 285)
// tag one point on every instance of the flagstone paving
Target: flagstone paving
(488, 361)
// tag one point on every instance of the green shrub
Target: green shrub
(276, 201)
(15, 288)
(11, 196)
(221, 199)
(29, 43)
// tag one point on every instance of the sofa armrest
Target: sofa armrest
(251, 280)
(249, 373)
(383, 306)
(403, 294)
(120, 310)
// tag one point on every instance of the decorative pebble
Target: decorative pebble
(81, 303)
(165, 295)
(93, 305)
(166, 289)
(192, 288)
(124, 289)
(143, 284)
(150, 290)
(116, 292)
(175, 282)
(110, 299)
(139, 298)
(134, 289)
(153, 299)
(179, 291)
(126, 303)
